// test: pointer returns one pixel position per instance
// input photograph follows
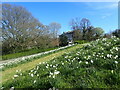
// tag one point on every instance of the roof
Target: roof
(69, 32)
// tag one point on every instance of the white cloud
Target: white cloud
(110, 6)
(106, 15)
(98, 6)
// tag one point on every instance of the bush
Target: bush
(80, 42)
(63, 40)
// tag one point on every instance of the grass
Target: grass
(96, 65)
(28, 60)
(8, 73)
(25, 53)
(23, 62)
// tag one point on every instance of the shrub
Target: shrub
(80, 42)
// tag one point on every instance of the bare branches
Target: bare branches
(19, 27)
(21, 30)
(54, 29)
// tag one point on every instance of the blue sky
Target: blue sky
(101, 14)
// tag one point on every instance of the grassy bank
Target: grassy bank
(9, 73)
(96, 65)
(25, 53)
(14, 64)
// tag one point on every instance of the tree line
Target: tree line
(21, 31)
(84, 31)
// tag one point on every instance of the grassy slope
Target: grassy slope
(8, 74)
(25, 53)
(94, 66)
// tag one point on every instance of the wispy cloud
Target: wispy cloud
(106, 15)
(98, 6)
(110, 6)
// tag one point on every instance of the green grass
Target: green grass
(8, 73)
(29, 60)
(96, 65)
(25, 53)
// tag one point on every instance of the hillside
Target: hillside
(96, 65)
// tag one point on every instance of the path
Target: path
(16, 60)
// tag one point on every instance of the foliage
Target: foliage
(98, 32)
(82, 25)
(77, 35)
(96, 65)
(113, 33)
(107, 35)
(20, 30)
(63, 40)
(80, 41)
(116, 33)
(83, 30)
(94, 33)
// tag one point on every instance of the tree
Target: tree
(98, 32)
(54, 29)
(75, 23)
(19, 28)
(107, 35)
(89, 36)
(77, 35)
(43, 40)
(116, 33)
(63, 40)
(94, 33)
(84, 26)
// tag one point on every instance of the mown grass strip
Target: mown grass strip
(8, 73)
(31, 59)
(25, 53)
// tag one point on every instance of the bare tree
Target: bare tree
(54, 29)
(45, 38)
(84, 26)
(75, 23)
(19, 27)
